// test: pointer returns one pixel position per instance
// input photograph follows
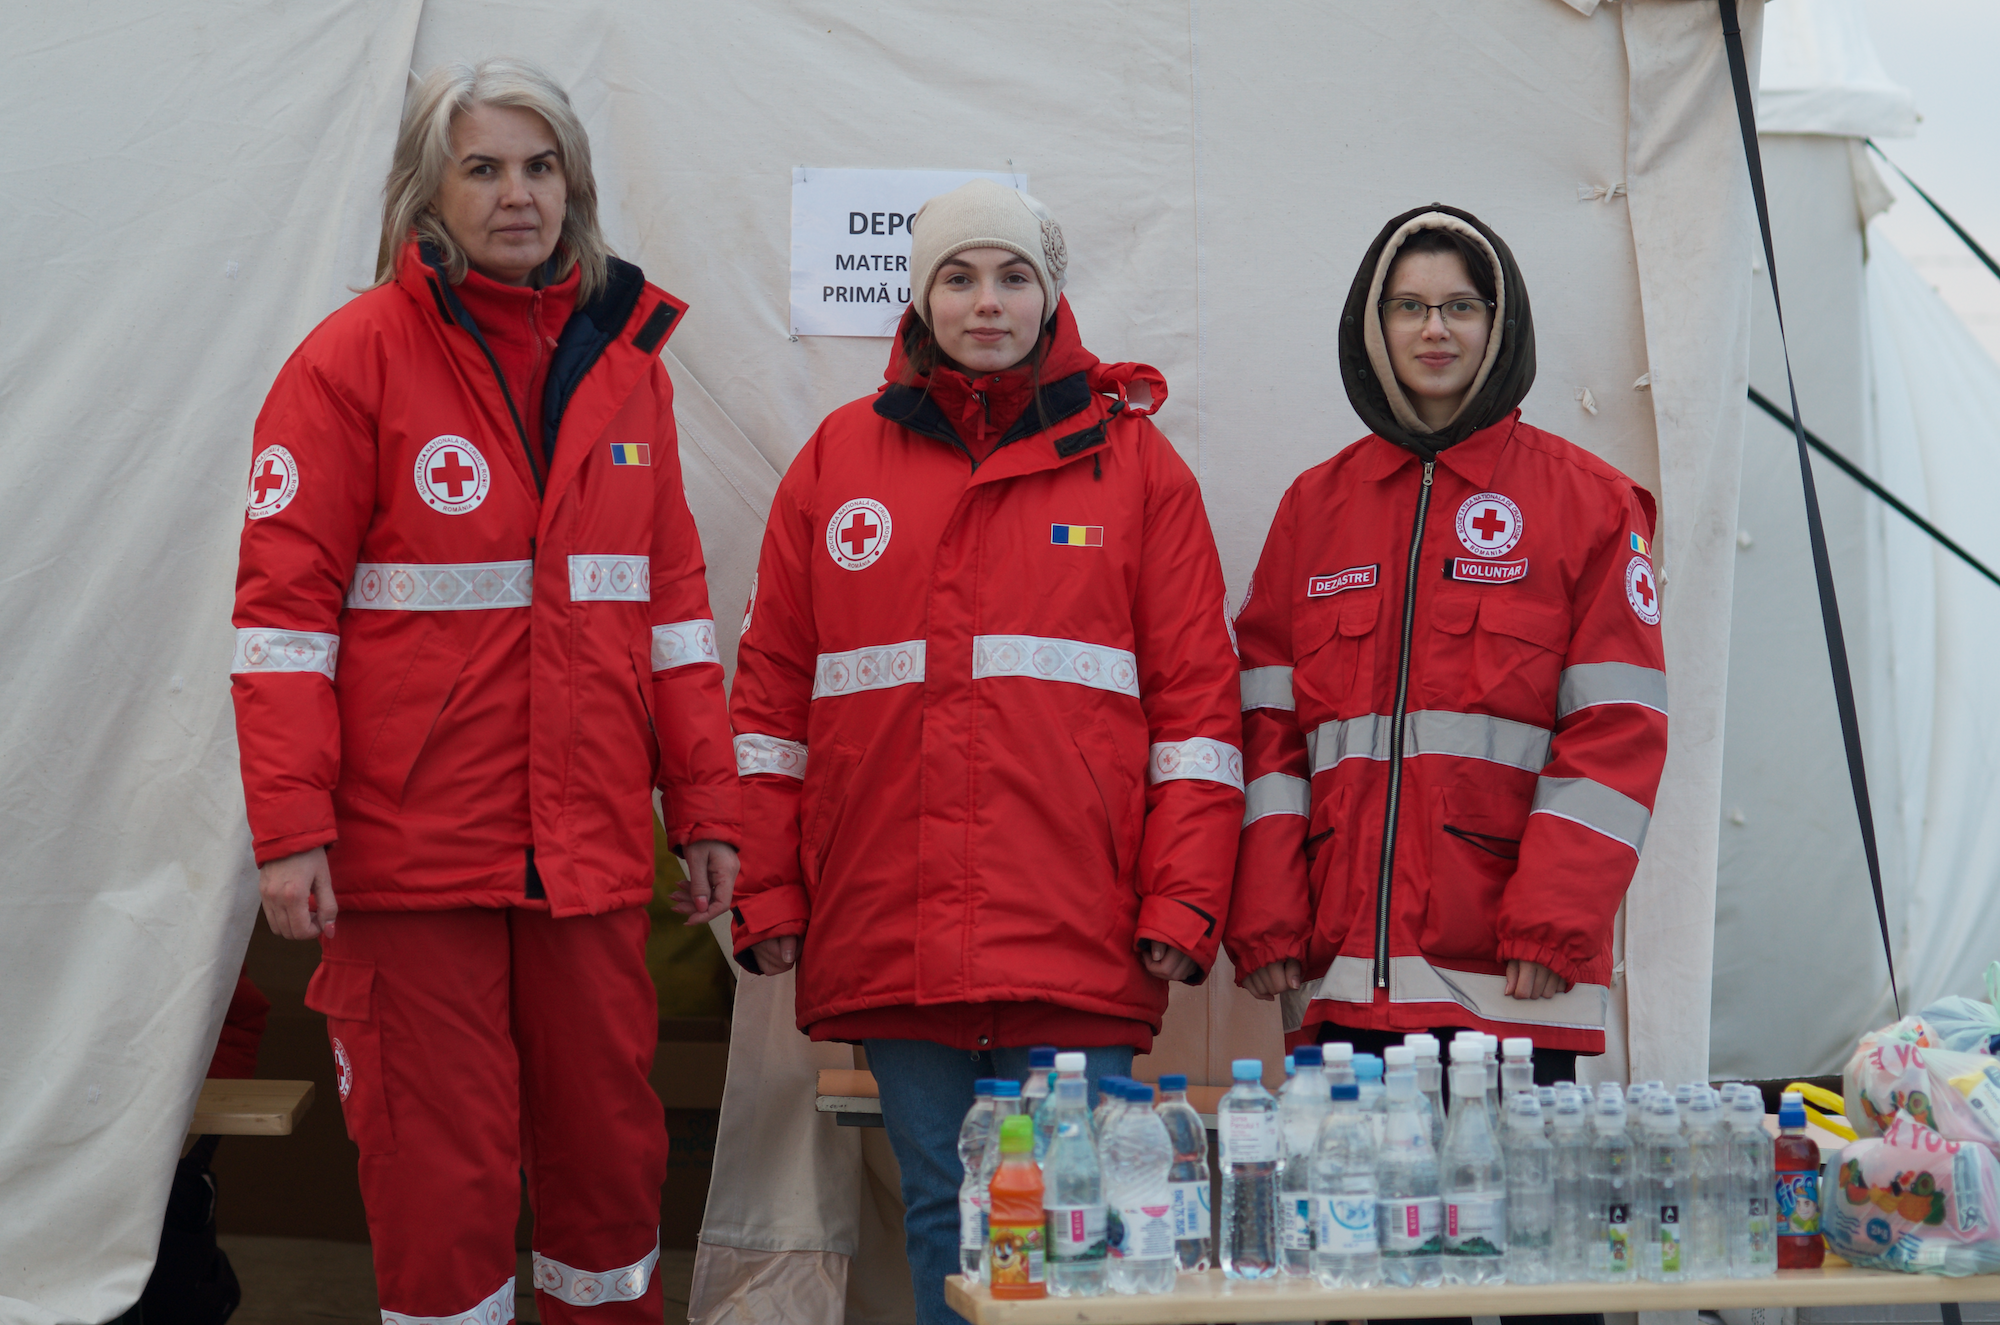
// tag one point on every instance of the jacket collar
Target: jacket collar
(1473, 459)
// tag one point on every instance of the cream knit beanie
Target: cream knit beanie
(982, 214)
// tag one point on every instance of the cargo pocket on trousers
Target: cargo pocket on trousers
(345, 992)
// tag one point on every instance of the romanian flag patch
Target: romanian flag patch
(1639, 545)
(631, 453)
(1077, 535)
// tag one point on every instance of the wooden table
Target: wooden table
(1201, 1299)
(249, 1107)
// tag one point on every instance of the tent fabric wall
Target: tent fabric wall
(1218, 168)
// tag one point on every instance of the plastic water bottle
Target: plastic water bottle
(1546, 1097)
(1019, 1227)
(1430, 1082)
(1110, 1101)
(1067, 1065)
(1187, 1182)
(1473, 1178)
(1303, 1104)
(1753, 1249)
(1517, 1066)
(1345, 1249)
(1006, 1104)
(1707, 1249)
(1611, 1191)
(1138, 1156)
(1409, 1216)
(1074, 1198)
(1247, 1131)
(1570, 1259)
(976, 1135)
(1338, 1060)
(1490, 1051)
(1663, 1183)
(1041, 1068)
(1402, 1058)
(1531, 1192)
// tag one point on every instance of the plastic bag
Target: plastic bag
(1956, 1095)
(1968, 1025)
(1912, 1200)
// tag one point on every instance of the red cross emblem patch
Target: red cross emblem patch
(1642, 590)
(451, 475)
(858, 533)
(274, 481)
(1489, 524)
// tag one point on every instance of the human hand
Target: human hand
(776, 956)
(298, 895)
(710, 886)
(1164, 961)
(1273, 979)
(1526, 979)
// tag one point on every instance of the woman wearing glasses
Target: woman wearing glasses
(1454, 702)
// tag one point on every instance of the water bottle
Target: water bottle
(1067, 1065)
(1546, 1097)
(1430, 1082)
(1473, 1180)
(1041, 1068)
(1531, 1192)
(1188, 1180)
(1074, 1198)
(1303, 1103)
(1138, 1155)
(1409, 1216)
(1663, 1184)
(1753, 1249)
(1006, 1104)
(1570, 1258)
(1490, 1056)
(1110, 1101)
(975, 1136)
(1246, 1125)
(1402, 1058)
(1338, 1060)
(1611, 1194)
(1517, 1066)
(1477, 1043)
(1345, 1250)
(1707, 1249)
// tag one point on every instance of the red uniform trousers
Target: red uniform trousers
(471, 1044)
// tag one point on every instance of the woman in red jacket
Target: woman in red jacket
(985, 706)
(472, 636)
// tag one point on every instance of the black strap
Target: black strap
(1829, 604)
(1948, 1312)
(1944, 215)
(1854, 471)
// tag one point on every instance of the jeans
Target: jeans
(926, 1091)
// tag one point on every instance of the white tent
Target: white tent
(200, 184)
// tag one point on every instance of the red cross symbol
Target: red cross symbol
(859, 533)
(454, 473)
(1490, 524)
(1644, 585)
(267, 478)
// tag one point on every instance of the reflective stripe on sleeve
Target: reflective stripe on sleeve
(769, 754)
(1595, 806)
(1276, 793)
(496, 1306)
(607, 579)
(1267, 688)
(259, 650)
(1588, 684)
(1078, 662)
(1431, 732)
(1198, 758)
(881, 667)
(588, 1288)
(682, 642)
(387, 586)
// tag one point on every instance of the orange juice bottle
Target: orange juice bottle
(1015, 1222)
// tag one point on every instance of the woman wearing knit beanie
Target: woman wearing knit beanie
(986, 709)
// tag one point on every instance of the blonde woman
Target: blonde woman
(472, 637)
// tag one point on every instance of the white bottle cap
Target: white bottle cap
(1492, 1043)
(1518, 1046)
(1337, 1051)
(1070, 1063)
(1425, 1045)
(1468, 1051)
(1398, 1056)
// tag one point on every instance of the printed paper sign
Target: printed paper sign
(851, 244)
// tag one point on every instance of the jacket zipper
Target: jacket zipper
(1396, 734)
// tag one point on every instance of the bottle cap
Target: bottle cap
(1397, 1057)
(1017, 1135)
(983, 1086)
(1546, 1097)
(1492, 1043)
(1684, 1092)
(1517, 1047)
(1042, 1055)
(1070, 1062)
(1173, 1081)
(1425, 1045)
(1307, 1055)
(1792, 1110)
(1246, 1069)
(1524, 1104)
(1111, 1086)
(1467, 1051)
(1290, 1065)
(1346, 1090)
(1139, 1092)
(1702, 1100)
(1368, 1067)
(1661, 1115)
(1006, 1090)
(1339, 1051)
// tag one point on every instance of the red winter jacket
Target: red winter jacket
(986, 714)
(461, 661)
(1526, 620)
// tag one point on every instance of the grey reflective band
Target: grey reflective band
(879, 667)
(589, 1288)
(1414, 980)
(1588, 684)
(260, 650)
(758, 753)
(1198, 758)
(385, 586)
(496, 1305)
(605, 578)
(679, 643)
(1267, 688)
(1595, 806)
(1276, 793)
(1432, 732)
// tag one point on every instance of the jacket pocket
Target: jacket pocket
(829, 777)
(1498, 650)
(345, 991)
(1337, 646)
(1330, 893)
(1474, 849)
(383, 769)
(1117, 792)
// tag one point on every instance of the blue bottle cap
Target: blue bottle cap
(1791, 1115)
(1246, 1069)
(1042, 1055)
(1308, 1055)
(1346, 1090)
(1006, 1090)
(983, 1086)
(1174, 1081)
(1139, 1092)
(1368, 1067)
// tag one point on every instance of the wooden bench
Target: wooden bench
(250, 1107)
(852, 1097)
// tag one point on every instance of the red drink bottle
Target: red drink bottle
(1797, 1189)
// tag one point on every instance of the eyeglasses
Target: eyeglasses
(1414, 312)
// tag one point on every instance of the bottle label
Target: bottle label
(1077, 1233)
(1798, 1204)
(1346, 1225)
(1295, 1221)
(971, 1224)
(1411, 1226)
(1475, 1225)
(1016, 1254)
(1618, 1239)
(1141, 1233)
(1188, 1209)
(1669, 1239)
(1249, 1137)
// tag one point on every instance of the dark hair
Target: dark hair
(922, 358)
(1436, 239)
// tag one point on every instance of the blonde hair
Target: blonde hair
(423, 155)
